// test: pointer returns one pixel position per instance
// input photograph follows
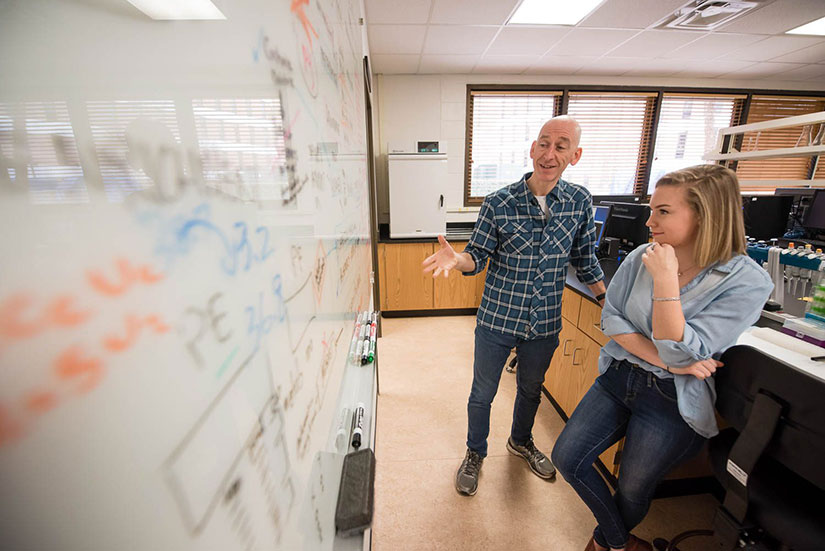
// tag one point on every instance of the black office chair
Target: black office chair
(771, 461)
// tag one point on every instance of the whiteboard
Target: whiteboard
(184, 246)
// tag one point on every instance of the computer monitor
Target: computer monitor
(815, 217)
(766, 216)
(802, 197)
(600, 215)
(799, 192)
(627, 224)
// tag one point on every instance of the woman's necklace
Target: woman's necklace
(679, 273)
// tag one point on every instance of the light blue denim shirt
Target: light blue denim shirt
(718, 305)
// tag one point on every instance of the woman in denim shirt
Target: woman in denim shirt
(672, 307)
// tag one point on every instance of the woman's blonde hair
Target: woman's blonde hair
(712, 191)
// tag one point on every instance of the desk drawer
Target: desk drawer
(570, 303)
(589, 321)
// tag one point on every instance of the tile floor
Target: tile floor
(425, 375)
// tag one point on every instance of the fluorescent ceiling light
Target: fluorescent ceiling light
(814, 27)
(552, 12)
(178, 9)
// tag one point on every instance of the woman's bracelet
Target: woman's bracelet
(666, 299)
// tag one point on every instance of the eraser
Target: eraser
(353, 514)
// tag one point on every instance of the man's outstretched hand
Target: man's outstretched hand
(444, 259)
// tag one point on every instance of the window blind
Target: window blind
(110, 121)
(241, 140)
(501, 128)
(615, 140)
(39, 137)
(765, 108)
(687, 129)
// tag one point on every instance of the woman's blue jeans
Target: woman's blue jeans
(624, 401)
(491, 351)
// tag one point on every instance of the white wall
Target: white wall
(433, 107)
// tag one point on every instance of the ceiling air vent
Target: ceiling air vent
(708, 15)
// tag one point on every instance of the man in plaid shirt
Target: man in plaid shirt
(528, 231)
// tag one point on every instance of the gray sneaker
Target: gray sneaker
(539, 463)
(466, 479)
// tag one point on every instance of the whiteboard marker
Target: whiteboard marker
(373, 333)
(358, 431)
(371, 357)
(355, 337)
(353, 346)
(341, 434)
(365, 352)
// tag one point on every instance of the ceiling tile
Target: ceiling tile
(703, 69)
(630, 14)
(713, 45)
(526, 40)
(763, 70)
(472, 12)
(590, 42)
(654, 43)
(396, 39)
(398, 12)
(781, 16)
(655, 68)
(455, 40)
(394, 64)
(504, 63)
(805, 72)
(559, 65)
(447, 63)
(611, 66)
(772, 47)
(812, 54)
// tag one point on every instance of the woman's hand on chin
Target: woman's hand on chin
(660, 261)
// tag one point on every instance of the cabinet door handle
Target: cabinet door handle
(574, 356)
(564, 348)
(598, 326)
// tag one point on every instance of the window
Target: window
(241, 141)
(618, 133)
(38, 137)
(121, 130)
(503, 126)
(765, 108)
(687, 129)
(680, 145)
(614, 140)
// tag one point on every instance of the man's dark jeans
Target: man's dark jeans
(491, 352)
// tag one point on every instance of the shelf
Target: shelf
(767, 153)
(810, 120)
(799, 120)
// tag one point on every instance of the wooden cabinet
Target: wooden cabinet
(455, 291)
(555, 380)
(404, 286)
(590, 322)
(575, 364)
(570, 304)
(582, 370)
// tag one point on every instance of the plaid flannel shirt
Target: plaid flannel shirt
(528, 256)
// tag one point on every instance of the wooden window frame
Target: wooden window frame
(741, 111)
